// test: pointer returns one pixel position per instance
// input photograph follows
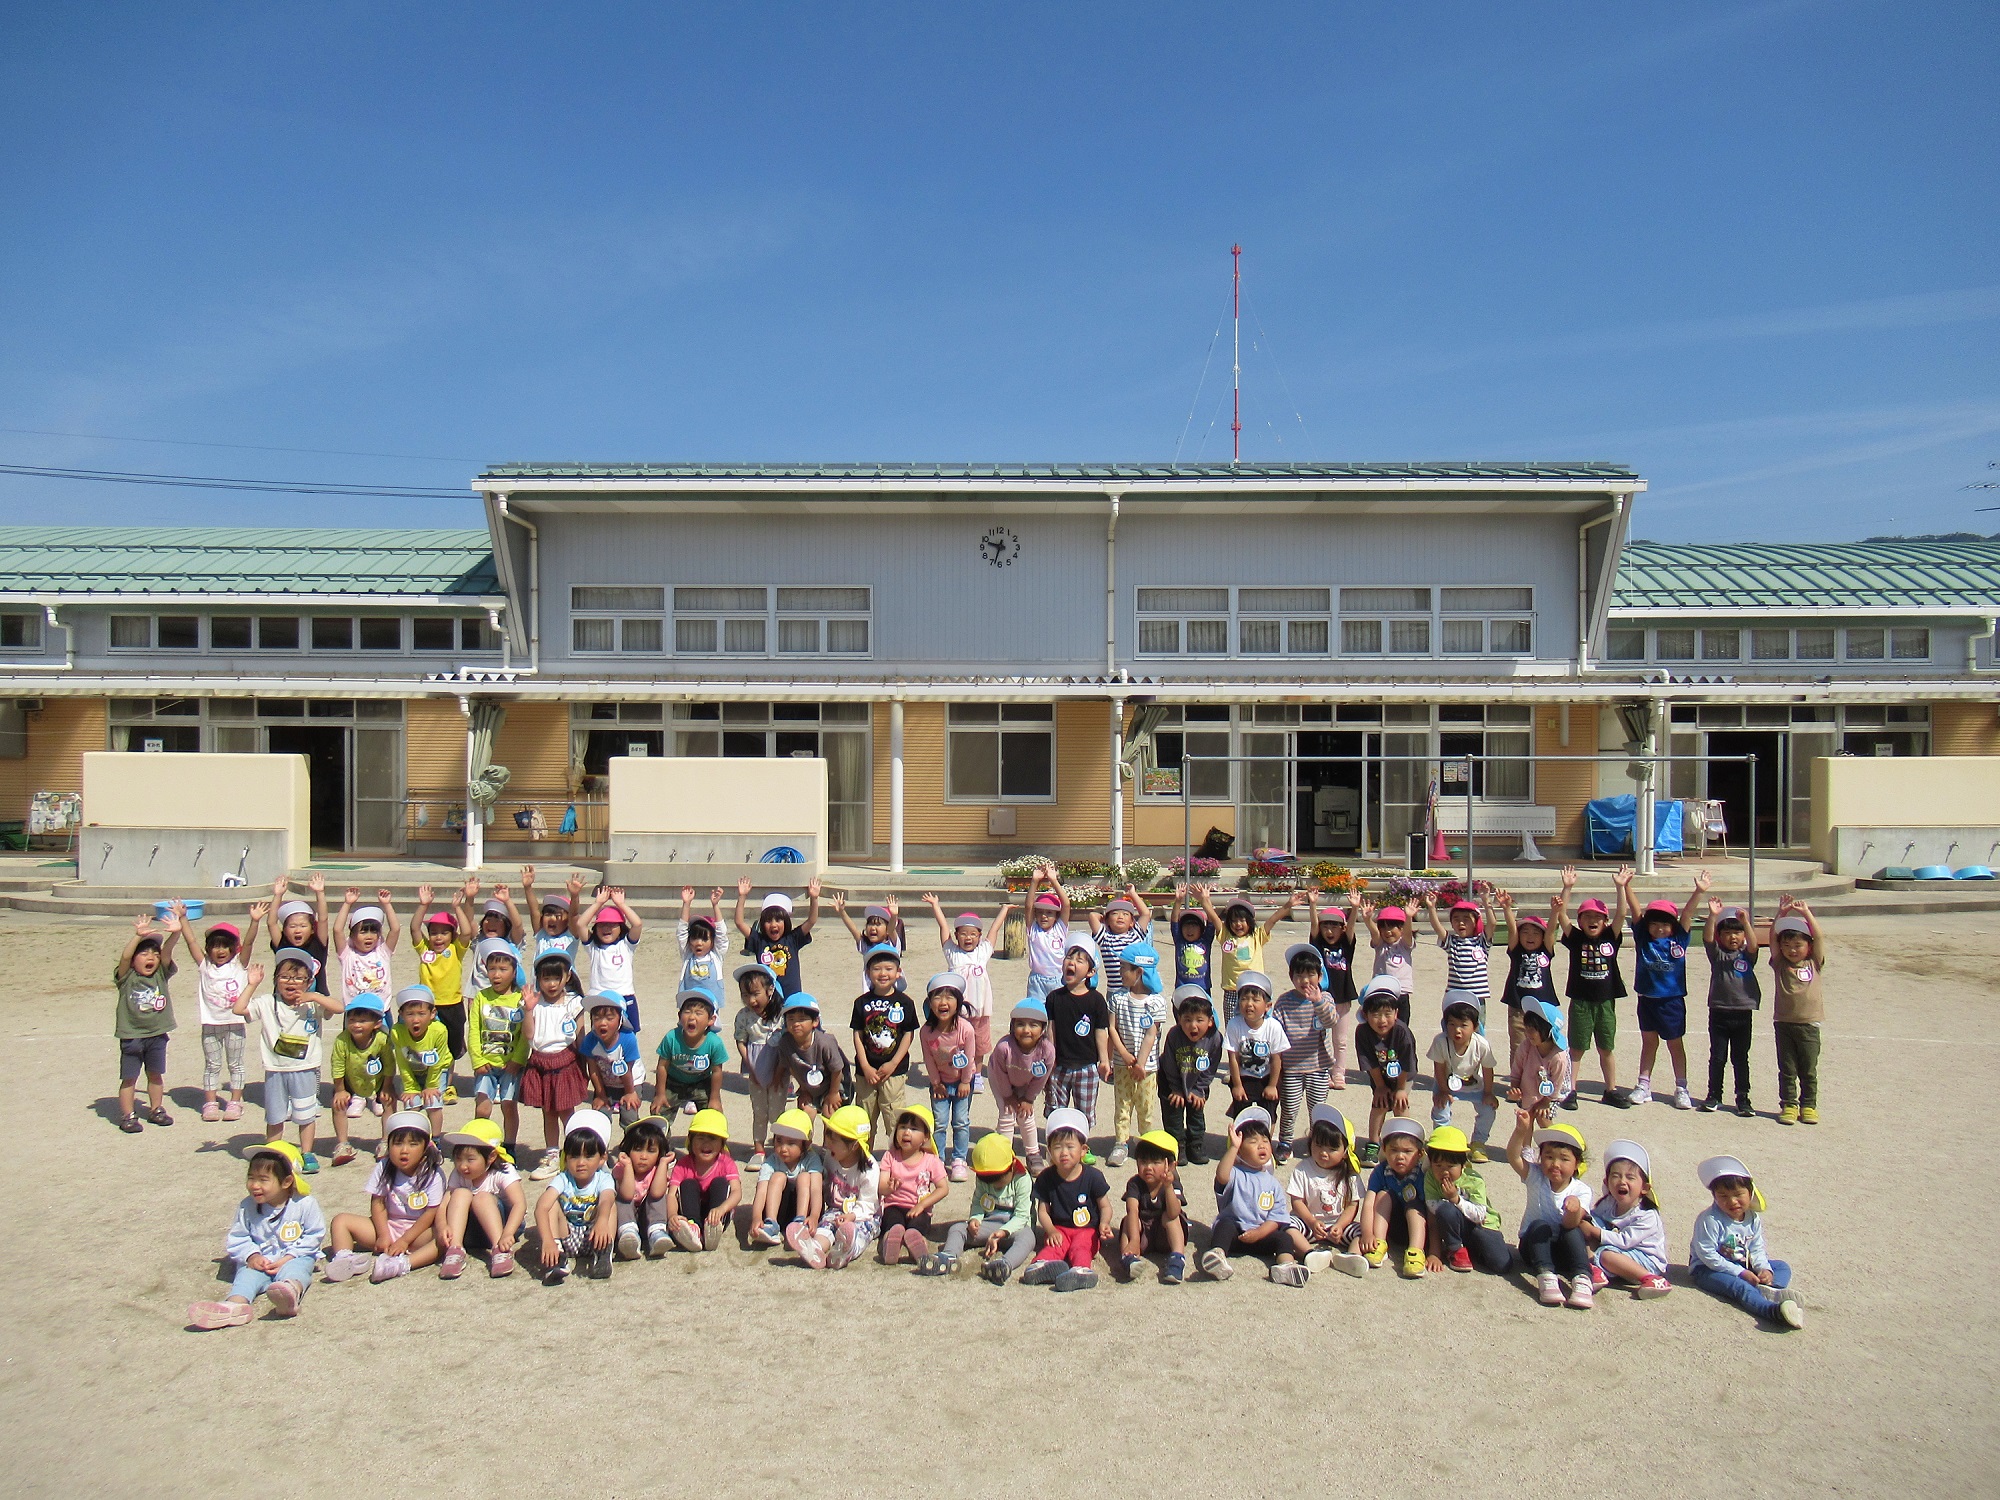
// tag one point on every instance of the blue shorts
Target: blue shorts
(142, 1053)
(1665, 1015)
(1646, 1258)
(291, 1096)
(499, 1085)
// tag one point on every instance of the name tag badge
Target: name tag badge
(291, 1231)
(1083, 1026)
(959, 1059)
(1264, 1202)
(1201, 1063)
(697, 1062)
(569, 1028)
(1394, 1069)
(420, 1201)
(1081, 1217)
(1546, 1089)
(814, 1078)
(428, 1057)
(373, 1067)
(1457, 1084)
(1038, 1070)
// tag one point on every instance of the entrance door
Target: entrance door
(1729, 784)
(1328, 792)
(1266, 815)
(325, 749)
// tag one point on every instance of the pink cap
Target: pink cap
(967, 919)
(1593, 904)
(1541, 922)
(1049, 898)
(1663, 908)
(1465, 906)
(441, 919)
(230, 928)
(1392, 914)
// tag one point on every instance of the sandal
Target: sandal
(130, 1124)
(159, 1116)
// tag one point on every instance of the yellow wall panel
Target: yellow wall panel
(1965, 728)
(1566, 787)
(58, 737)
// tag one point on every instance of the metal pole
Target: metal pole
(1187, 818)
(1118, 781)
(1236, 377)
(896, 786)
(1468, 832)
(1752, 909)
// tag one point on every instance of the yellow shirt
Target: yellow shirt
(442, 971)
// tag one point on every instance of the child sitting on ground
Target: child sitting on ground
(553, 1080)
(757, 1031)
(1155, 1221)
(363, 1068)
(1072, 1205)
(272, 1243)
(704, 1186)
(692, 1059)
(968, 953)
(405, 1196)
(913, 1183)
(1462, 1061)
(1252, 1213)
(1389, 1053)
(1326, 1193)
(642, 1166)
(1464, 1228)
(576, 1218)
(1733, 998)
(789, 1192)
(704, 944)
(1798, 959)
(1001, 1219)
(484, 1205)
(221, 977)
(145, 1016)
(1393, 1208)
(853, 1195)
(288, 1035)
(1190, 1058)
(423, 1052)
(1727, 1258)
(1048, 932)
(1552, 1244)
(948, 1046)
(1022, 1063)
(1628, 1242)
(1659, 975)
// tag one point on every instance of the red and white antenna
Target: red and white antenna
(1236, 373)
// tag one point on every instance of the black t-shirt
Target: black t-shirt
(781, 957)
(1074, 1021)
(1188, 1066)
(882, 1021)
(1073, 1205)
(316, 946)
(1530, 976)
(1378, 1052)
(1339, 961)
(1593, 964)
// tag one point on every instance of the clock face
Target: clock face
(1000, 547)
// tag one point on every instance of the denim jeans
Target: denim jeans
(1731, 1287)
(1456, 1231)
(953, 1136)
(249, 1284)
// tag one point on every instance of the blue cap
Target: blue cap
(745, 970)
(608, 997)
(801, 1001)
(1142, 957)
(370, 1003)
(1551, 1014)
(881, 950)
(1030, 1010)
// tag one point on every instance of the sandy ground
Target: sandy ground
(738, 1373)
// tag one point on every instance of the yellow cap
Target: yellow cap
(851, 1122)
(710, 1122)
(1164, 1140)
(992, 1154)
(793, 1124)
(920, 1112)
(1573, 1137)
(477, 1132)
(1448, 1138)
(293, 1155)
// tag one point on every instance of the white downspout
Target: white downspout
(506, 640)
(475, 830)
(1583, 610)
(534, 583)
(67, 664)
(1986, 633)
(896, 785)
(1111, 672)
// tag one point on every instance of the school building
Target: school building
(1007, 657)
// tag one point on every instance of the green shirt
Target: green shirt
(362, 1070)
(692, 1067)
(1471, 1187)
(424, 1061)
(144, 1006)
(496, 1038)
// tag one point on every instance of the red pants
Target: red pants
(1077, 1246)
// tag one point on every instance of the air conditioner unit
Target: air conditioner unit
(1000, 822)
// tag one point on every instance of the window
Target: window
(1184, 621)
(150, 632)
(1291, 622)
(1813, 645)
(754, 621)
(1501, 768)
(1377, 610)
(1496, 621)
(829, 620)
(381, 634)
(1912, 644)
(277, 633)
(476, 633)
(1721, 645)
(131, 632)
(21, 632)
(1195, 731)
(606, 619)
(1770, 645)
(1003, 751)
(229, 633)
(332, 634)
(1673, 645)
(428, 633)
(1266, 621)
(1865, 645)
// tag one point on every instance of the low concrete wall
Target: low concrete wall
(189, 819)
(1869, 812)
(690, 819)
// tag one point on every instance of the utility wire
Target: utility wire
(1213, 339)
(1312, 449)
(105, 437)
(265, 486)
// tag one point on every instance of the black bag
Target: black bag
(1215, 844)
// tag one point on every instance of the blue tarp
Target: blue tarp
(1608, 824)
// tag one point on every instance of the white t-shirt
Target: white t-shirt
(1045, 948)
(611, 966)
(495, 1182)
(288, 1034)
(1464, 1068)
(970, 966)
(220, 984)
(364, 973)
(1545, 1206)
(1254, 1046)
(1327, 1194)
(553, 1027)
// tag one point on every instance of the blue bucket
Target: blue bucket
(196, 910)
(1973, 872)
(1933, 872)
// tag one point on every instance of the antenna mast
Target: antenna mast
(1236, 372)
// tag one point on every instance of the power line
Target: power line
(1213, 339)
(105, 437)
(264, 486)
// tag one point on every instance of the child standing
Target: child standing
(692, 1060)
(288, 1027)
(1334, 940)
(1155, 1221)
(1464, 1228)
(441, 957)
(1240, 949)
(1531, 967)
(1072, 1203)
(1048, 932)
(1467, 952)
(1628, 1242)
(789, 1194)
(497, 1035)
(968, 953)
(482, 1199)
(405, 1197)
(1022, 1063)
(882, 1024)
(222, 977)
(367, 937)
(810, 1059)
(1306, 1014)
(1138, 1019)
(703, 944)
(1733, 998)
(1552, 1242)
(642, 1166)
(1190, 1059)
(1389, 1052)
(775, 942)
(878, 924)
(1254, 1045)
(1252, 1212)
(1080, 1022)
(553, 1080)
(553, 933)
(949, 1063)
(363, 1068)
(1123, 922)
(273, 1242)
(578, 1215)
(913, 1183)
(1727, 1258)
(608, 932)
(757, 1031)
(1461, 1061)
(1001, 1219)
(423, 1052)
(1393, 1207)
(1326, 1193)
(1193, 935)
(144, 1016)
(1394, 952)
(1798, 958)
(302, 924)
(1540, 1075)
(853, 1195)
(1595, 984)
(1659, 956)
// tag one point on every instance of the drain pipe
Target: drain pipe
(534, 582)
(67, 664)
(1111, 675)
(1986, 633)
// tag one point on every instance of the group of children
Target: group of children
(549, 1017)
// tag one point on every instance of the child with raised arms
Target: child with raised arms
(704, 943)
(144, 1016)
(220, 977)
(1467, 951)
(607, 931)
(1552, 1243)
(1733, 998)
(553, 933)
(367, 937)
(301, 924)
(1798, 962)
(441, 955)
(1595, 983)
(1394, 952)
(1240, 948)
(968, 953)
(1048, 932)
(1531, 965)
(776, 941)
(1659, 965)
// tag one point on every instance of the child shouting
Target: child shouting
(145, 1016)
(1628, 1242)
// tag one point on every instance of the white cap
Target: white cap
(1415, 1131)
(1256, 1114)
(1632, 1151)
(366, 914)
(1088, 947)
(1066, 1119)
(406, 1119)
(593, 1120)
(292, 909)
(1721, 1166)
(779, 900)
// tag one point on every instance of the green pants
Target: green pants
(1798, 1063)
(1592, 1019)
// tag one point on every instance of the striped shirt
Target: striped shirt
(1111, 948)
(1466, 963)
(1131, 1015)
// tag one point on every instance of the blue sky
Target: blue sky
(1749, 249)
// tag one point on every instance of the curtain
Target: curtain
(483, 723)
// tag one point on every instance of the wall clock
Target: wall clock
(1000, 547)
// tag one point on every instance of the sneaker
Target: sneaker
(1413, 1263)
(1197, 1156)
(501, 1264)
(756, 1162)
(346, 1264)
(450, 1094)
(892, 1245)
(1130, 1266)
(628, 1247)
(1043, 1272)
(1118, 1157)
(550, 1165)
(600, 1265)
(711, 1236)
(1788, 1114)
(765, 1235)
(1319, 1260)
(1744, 1111)
(232, 1109)
(1580, 1295)
(1709, 1105)
(689, 1108)
(847, 1246)
(1076, 1279)
(978, 1083)
(1619, 1098)
(1375, 1257)
(687, 1236)
(355, 1106)
(556, 1274)
(959, 1171)
(1568, 1101)
(374, 1106)
(915, 1245)
(1459, 1259)
(1650, 1287)
(1808, 1115)
(1598, 1280)
(219, 1314)
(1174, 1272)
(308, 1163)
(1037, 1164)
(450, 1268)
(1478, 1153)
(930, 1265)
(658, 1241)
(1791, 1312)
(1549, 1289)
(812, 1248)
(389, 1267)
(1216, 1265)
(1681, 1099)
(1289, 1273)
(211, 1112)
(1643, 1094)
(130, 1125)
(1370, 1153)
(284, 1297)
(1282, 1153)
(947, 1265)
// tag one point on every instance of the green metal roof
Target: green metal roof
(1809, 575)
(201, 560)
(1092, 472)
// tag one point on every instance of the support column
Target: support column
(1118, 781)
(896, 786)
(475, 829)
(1649, 791)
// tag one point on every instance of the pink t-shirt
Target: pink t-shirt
(1529, 1068)
(364, 973)
(948, 1053)
(723, 1166)
(910, 1180)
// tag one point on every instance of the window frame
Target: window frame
(997, 728)
(31, 630)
